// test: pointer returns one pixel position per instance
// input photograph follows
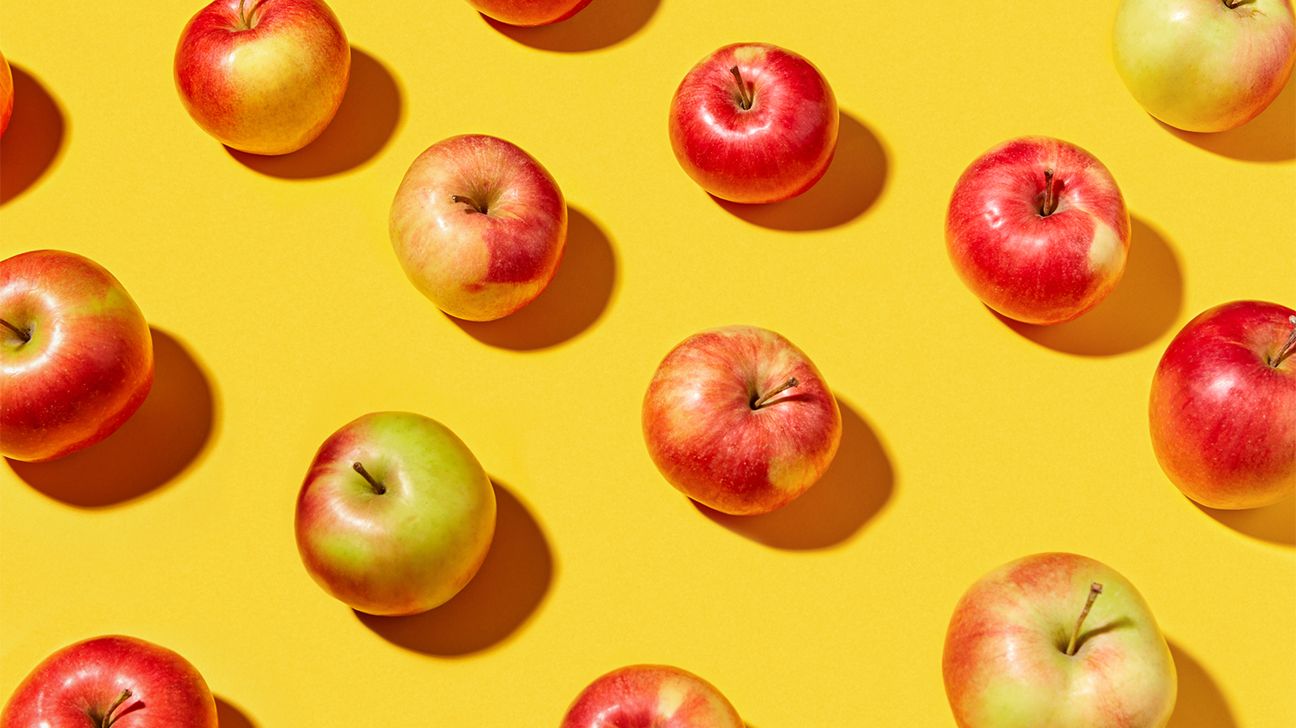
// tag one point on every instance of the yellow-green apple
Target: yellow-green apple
(1205, 65)
(529, 12)
(1057, 640)
(651, 696)
(263, 76)
(754, 123)
(740, 420)
(6, 94)
(76, 356)
(395, 515)
(479, 226)
(112, 681)
(1038, 230)
(1223, 406)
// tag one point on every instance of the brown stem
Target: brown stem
(24, 335)
(1094, 590)
(378, 488)
(1288, 348)
(744, 96)
(1230, 4)
(1050, 195)
(469, 202)
(108, 718)
(764, 400)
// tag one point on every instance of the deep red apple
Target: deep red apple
(651, 696)
(112, 681)
(263, 76)
(76, 356)
(529, 12)
(754, 123)
(740, 420)
(1038, 230)
(1223, 406)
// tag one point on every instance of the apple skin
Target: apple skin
(1200, 65)
(478, 266)
(88, 364)
(1005, 663)
(651, 696)
(709, 442)
(1038, 269)
(271, 88)
(1223, 419)
(82, 681)
(528, 13)
(406, 550)
(6, 94)
(774, 150)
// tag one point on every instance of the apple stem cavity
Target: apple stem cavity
(378, 488)
(1230, 4)
(1094, 590)
(107, 720)
(1050, 195)
(470, 202)
(745, 98)
(26, 335)
(1288, 348)
(757, 403)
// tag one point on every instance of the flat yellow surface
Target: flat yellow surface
(281, 313)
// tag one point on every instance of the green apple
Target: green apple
(396, 515)
(1205, 65)
(1057, 641)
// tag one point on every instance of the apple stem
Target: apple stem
(24, 335)
(378, 488)
(745, 99)
(1288, 348)
(470, 202)
(1050, 195)
(1094, 590)
(757, 404)
(1230, 4)
(108, 719)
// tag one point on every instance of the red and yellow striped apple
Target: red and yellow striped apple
(740, 420)
(395, 515)
(263, 76)
(112, 681)
(1223, 406)
(651, 696)
(1205, 65)
(1038, 230)
(76, 356)
(1057, 640)
(529, 12)
(754, 123)
(6, 94)
(479, 226)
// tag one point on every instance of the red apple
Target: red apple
(479, 226)
(76, 356)
(740, 420)
(754, 123)
(651, 696)
(529, 12)
(263, 76)
(1223, 406)
(1057, 640)
(6, 94)
(395, 516)
(112, 681)
(1038, 230)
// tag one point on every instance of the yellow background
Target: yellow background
(282, 313)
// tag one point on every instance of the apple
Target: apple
(6, 94)
(754, 123)
(1205, 65)
(740, 420)
(395, 515)
(76, 356)
(1038, 230)
(478, 226)
(529, 12)
(1223, 406)
(109, 681)
(263, 76)
(1018, 654)
(651, 696)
